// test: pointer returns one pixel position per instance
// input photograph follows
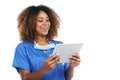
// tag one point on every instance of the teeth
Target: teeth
(44, 28)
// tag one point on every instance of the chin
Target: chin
(45, 33)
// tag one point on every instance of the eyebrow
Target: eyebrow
(42, 17)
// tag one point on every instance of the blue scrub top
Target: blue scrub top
(28, 58)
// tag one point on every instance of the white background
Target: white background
(95, 23)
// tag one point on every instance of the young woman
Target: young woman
(38, 26)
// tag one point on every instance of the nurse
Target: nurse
(38, 26)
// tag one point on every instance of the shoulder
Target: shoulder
(24, 44)
(22, 47)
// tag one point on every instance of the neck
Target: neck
(41, 40)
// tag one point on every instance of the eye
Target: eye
(48, 20)
(40, 20)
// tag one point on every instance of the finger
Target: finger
(48, 59)
(74, 59)
(76, 55)
(53, 63)
(51, 57)
(52, 66)
(54, 56)
(74, 63)
(55, 60)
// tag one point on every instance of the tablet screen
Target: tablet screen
(66, 50)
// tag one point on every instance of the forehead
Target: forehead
(42, 14)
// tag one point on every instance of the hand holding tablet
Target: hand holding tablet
(67, 50)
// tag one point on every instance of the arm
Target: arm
(74, 62)
(48, 65)
(27, 75)
(69, 73)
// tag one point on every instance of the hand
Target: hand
(74, 60)
(51, 62)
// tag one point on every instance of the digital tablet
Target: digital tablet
(66, 50)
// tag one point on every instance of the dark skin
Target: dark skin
(42, 28)
(74, 62)
(48, 65)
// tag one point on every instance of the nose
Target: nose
(46, 22)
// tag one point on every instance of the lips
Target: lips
(44, 28)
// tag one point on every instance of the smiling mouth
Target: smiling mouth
(45, 28)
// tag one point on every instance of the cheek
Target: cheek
(37, 27)
(38, 24)
(49, 23)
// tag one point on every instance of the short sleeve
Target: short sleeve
(20, 58)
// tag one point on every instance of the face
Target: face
(42, 24)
